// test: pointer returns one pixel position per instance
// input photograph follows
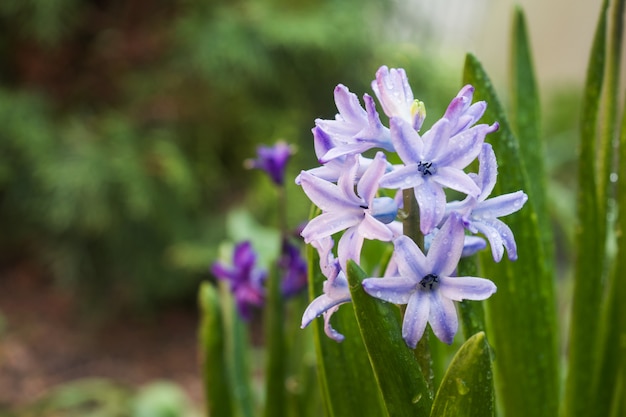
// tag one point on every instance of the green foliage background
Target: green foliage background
(123, 127)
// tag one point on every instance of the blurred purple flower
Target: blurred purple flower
(273, 160)
(425, 284)
(246, 281)
(294, 270)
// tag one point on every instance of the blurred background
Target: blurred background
(123, 130)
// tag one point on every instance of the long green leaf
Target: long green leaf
(397, 371)
(214, 369)
(591, 238)
(467, 387)
(347, 381)
(525, 121)
(275, 398)
(521, 315)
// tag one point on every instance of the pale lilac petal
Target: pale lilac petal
(410, 260)
(487, 171)
(322, 142)
(499, 206)
(432, 204)
(349, 107)
(456, 179)
(406, 141)
(324, 194)
(494, 238)
(463, 148)
(442, 317)
(394, 92)
(402, 178)
(446, 247)
(375, 132)
(328, 329)
(367, 186)
(327, 224)
(347, 180)
(395, 290)
(472, 245)
(505, 236)
(372, 229)
(466, 288)
(436, 140)
(415, 318)
(349, 247)
(346, 149)
(318, 306)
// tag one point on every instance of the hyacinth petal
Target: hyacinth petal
(348, 105)
(328, 329)
(327, 224)
(494, 238)
(415, 318)
(324, 194)
(472, 245)
(487, 171)
(506, 235)
(222, 271)
(406, 141)
(500, 206)
(391, 86)
(410, 260)
(372, 229)
(320, 305)
(349, 247)
(466, 288)
(348, 178)
(436, 140)
(395, 290)
(432, 204)
(464, 148)
(322, 142)
(346, 149)
(375, 132)
(402, 178)
(457, 107)
(367, 186)
(456, 179)
(442, 317)
(446, 247)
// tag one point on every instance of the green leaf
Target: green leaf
(591, 238)
(347, 381)
(467, 387)
(521, 315)
(397, 371)
(215, 374)
(525, 121)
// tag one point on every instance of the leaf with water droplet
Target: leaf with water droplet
(467, 387)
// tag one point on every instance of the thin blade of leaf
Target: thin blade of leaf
(397, 371)
(215, 375)
(591, 238)
(275, 397)
(521, 315)
(467, 387)
(347, 381)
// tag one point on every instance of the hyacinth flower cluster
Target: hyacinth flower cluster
(361, 198)
(246, 278)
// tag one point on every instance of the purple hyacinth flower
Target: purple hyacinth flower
(360, 213)
(336, 291)
(246, 281)
(294, 269)
(354, 129)
(273, 160)
(392, 88)
(426, 284)
(332, 170)
(481, 214)
(435, 161)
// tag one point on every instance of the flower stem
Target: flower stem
(411, 228)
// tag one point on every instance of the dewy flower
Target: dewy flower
(246, 281)
(392, 88)
(336, 291)
(273, 160)
(481, 214)
(434, 161)
(360, 214)
(332, 170)
(294, 269)
(425, 284)
(354, 129)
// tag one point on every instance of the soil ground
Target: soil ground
(44, 342)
